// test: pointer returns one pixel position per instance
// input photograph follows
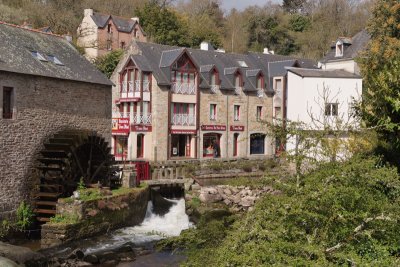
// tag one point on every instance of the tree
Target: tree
(109, 62)
(293, 6)
(162, 25)
(380, 67)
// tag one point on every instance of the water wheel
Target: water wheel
(67, 158)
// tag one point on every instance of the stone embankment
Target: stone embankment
(238, 198)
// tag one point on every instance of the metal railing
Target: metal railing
(120, 115)
(213, 117)
(130, 87)
(184, 88)
(141, 118)
(214, 88)
(184, 119)
(146, 86)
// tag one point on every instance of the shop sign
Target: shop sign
(141, 128)
(213, 127)
(237, 128)
(183, 131)
(120, 126)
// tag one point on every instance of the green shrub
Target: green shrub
(25, 216)
(247, 167)
(5, 227)
(81, 184)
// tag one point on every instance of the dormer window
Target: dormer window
(339, 49)
(238, 82)
(109, 28)
(260, 82)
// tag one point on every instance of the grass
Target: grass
(64, 219)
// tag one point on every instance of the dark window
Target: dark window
(109, 28)
(7, 103)
(122, 45)
(331, 109)
(259, 113)
(257, 144)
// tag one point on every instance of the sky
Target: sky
(242, 4)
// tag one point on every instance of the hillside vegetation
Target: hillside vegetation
(298, 27)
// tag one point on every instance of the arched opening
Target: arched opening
(257, 144)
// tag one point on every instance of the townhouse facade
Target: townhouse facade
(175, 103)
(100, 34)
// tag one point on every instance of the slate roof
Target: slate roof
(122, 24)
(352, 47)
(159, 58)
(318, 73)
(18, 44)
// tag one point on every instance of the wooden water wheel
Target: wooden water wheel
(68, 157)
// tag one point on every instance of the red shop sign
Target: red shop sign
(120, 125)
(141, 128)
(213, 127)
(237, 128)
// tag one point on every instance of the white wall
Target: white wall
(305, 100)
(87, 37)
(347, 65)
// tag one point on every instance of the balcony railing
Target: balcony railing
(135, 118)
(141, 118)
(213, 117)
(146, 86)
(184, 119)
(132, 88)
(214, 88)
(238, 90)
(184, 88)
(260, 92)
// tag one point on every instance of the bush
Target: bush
(247, 167)
(343, 214)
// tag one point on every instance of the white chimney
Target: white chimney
(266, 51)
(88, 12)
(206, 46)
(220, 50)
(135, 19)
(272, 52)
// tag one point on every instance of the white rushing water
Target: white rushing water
(153, 227)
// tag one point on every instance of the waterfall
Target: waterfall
(154, 227)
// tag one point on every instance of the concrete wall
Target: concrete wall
(347, 65)
(43, 107)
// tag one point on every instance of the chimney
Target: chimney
(220, 50)
(68, 37)
(135, 19)
(88, 12)
(266, 51)
(206, 46)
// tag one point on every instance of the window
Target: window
(55, 60)
(109, 45)
(331, 109)
(38, 56)
(122, 45)
(278, 85)
(242, 64)
(214, 78)
(259, 113)
(140, 146)
(277, 112)
(109, 28)
(8, 103)
(183, 114)
(257, 142)
(260, 82)
(213, 112)
(135, 33)
(236, 112)
(237, 81)
(339, 49)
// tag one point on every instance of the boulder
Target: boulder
(195, 187)
(4, 262)
(209, 198)
(227, 192)
(20, 255)
(227, 202)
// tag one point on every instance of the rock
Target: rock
(234, 190)
(78, 254)
(220, 191)
(236, 199)
(209, 198)
(20, 255)
(91, 258)
(196, 187)
(81, 264)
(247, 201)
(4, 262)
(188, 197)
(227, 192)
(227, 202)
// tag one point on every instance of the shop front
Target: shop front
(120, 133)
(212, 140)
(182, 144)
(237, 131)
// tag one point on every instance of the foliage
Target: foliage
(25, 216)
(81, 184)
(64, 219)
(107, 63)
(162, 24)
(380, 67)
(299, 23)
(5, 227)
(344, 214)
(90, 194)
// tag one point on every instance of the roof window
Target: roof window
(55, 60)
(242, 64)
(38, 56)
(339, 49)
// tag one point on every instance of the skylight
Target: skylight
(55, 60)
(242, 64)
(38, 56)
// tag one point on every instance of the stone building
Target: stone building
(45, 87)
(99, 33)
(177, 103)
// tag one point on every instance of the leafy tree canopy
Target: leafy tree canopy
(109, 62)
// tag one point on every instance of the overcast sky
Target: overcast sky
(242, 4)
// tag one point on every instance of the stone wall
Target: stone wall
(43, 106)
(96, 216)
